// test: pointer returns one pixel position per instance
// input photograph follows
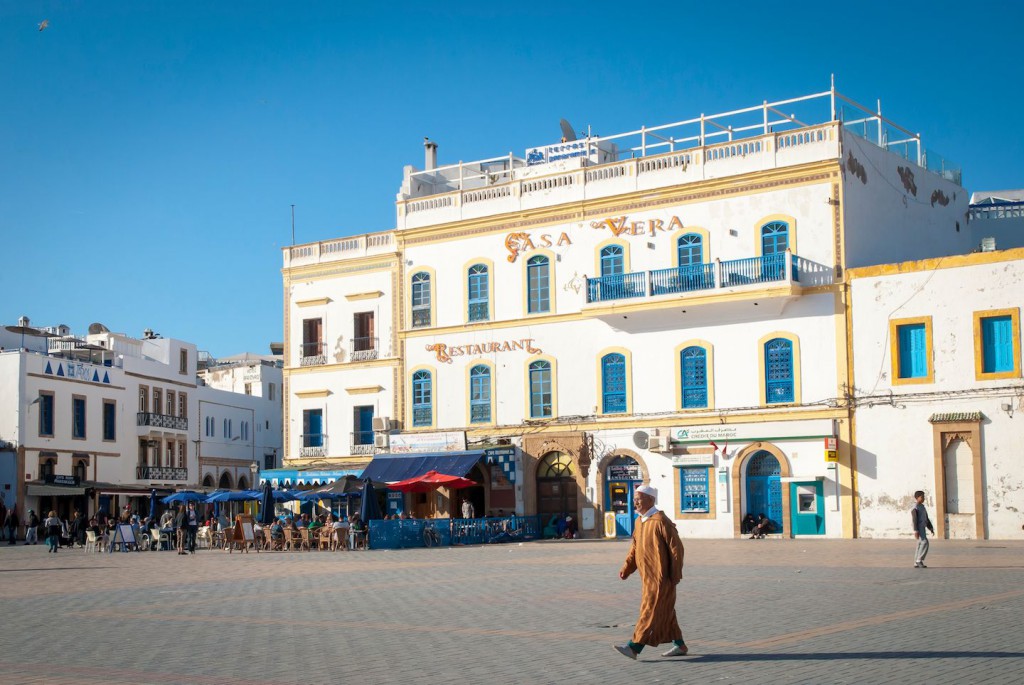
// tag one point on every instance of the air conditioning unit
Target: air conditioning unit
(381, 423)
(380, 440)
(657, 443)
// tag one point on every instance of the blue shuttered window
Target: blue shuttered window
(420, 299)
(109, 421)
(538, 285)
(693, 483)
(78, 417)
(612, 262)
(46, 415)
(774, 238)
(778, 370)
(693, 370)
(997, 344)
(540, 389)
(480, 394)
(312, 428)
(690, 249)
(479, 309)
(613, 383)
(422, 399)
(913, 350)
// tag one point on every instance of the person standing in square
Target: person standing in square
(922, 525)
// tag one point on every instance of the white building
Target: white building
(938, 394)
(996, 219)
(665, 305)
(102, 421)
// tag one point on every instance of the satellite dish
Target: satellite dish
(567, 132)
(95, 328)
(640, 439)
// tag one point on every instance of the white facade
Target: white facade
(551, 306)
(106, 418)
(951, 428)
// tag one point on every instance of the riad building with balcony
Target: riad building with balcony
(97, 422)
(664, 305)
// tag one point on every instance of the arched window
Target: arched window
(693, 370)
(225, 481)
(690, 248)
(538, 285)
(420, 299)
(612, 262)
(81, 467)
(480, 394)
(422, 399)
(555, 465)
(774, 238)
(479, 309)
(778, 371)
(613, 383)
(540, 389)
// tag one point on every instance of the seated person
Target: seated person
(277, 530)
(762, 527)
(748, 523)
(571, 528)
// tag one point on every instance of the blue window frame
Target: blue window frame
(693, 370)
(913, 350)
(109, 420)
(46, 415)
(613, 383)
(479, 307)
(480, 394)
(612, 260)
(538, 285)
(312, 428)
(997, 344)
(778, 370)
(78, 417)
(540, 389)
(422, 399)
(420, 299)
(774, 238)
(690, 248)
(693, 485)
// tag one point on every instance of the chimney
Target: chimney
(430, 148)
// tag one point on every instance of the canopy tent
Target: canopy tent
(387, 468)
(184, 496)
(233, 496)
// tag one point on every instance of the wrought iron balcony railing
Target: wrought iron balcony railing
(162, 421)
(361, 442)
(313, 354)
(313, 445)
(160, 473)
(363, 349)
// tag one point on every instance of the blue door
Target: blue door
(620, 497)
(363, 425)
(764, 488)
(808, 508)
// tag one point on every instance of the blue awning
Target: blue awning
(388, 468)
(282, 477)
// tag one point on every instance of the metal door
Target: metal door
(620, 497)
(808, 508)
(764, 488)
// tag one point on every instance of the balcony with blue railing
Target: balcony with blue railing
(783, 268)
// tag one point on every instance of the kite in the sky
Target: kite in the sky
(43, 24)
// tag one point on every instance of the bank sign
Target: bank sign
(749, 432)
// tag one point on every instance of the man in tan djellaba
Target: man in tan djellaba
(657, 553)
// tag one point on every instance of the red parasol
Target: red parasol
(431, 480)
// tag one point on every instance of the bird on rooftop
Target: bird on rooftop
(43, 24)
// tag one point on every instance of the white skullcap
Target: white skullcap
(648, 490)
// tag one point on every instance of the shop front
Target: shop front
(622, 476)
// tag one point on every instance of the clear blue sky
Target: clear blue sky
(150, 152)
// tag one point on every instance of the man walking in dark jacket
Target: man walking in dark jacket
(922, 525)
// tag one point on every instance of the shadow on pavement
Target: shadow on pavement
(838, 656)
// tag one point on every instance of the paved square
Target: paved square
(752, 611)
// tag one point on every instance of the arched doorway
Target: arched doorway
(474, 494)
(622, 476)
(208, 481)
(556, 486)
(225, 481)
(764, 488)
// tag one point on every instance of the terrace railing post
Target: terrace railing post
(718, 273)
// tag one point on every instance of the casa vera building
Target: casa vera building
(666, 305)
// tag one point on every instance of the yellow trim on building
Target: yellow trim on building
(552, 282)
(433, 294)
(790, 233)
(677, 481)
(662, 302)
(313, 303)
(600, 381)
(339, 366)
(433, 397)
(307, 394)
(894, 350)
(364, 390)
(709, 360)
(979, 352)
(797, 394)
(951, 262)
(625, 254)
(369, 295)
(490, 290)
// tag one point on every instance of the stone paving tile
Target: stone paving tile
(773, 611)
